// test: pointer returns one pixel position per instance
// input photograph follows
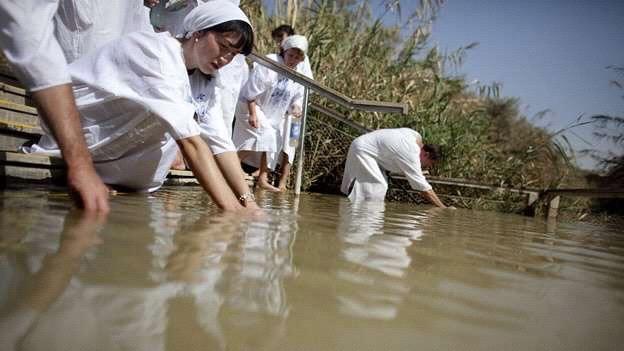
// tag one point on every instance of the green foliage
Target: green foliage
(484, 136)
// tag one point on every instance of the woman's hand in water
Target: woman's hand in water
(150, 3)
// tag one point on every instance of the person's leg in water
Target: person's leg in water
(263, 177)
(285, 172)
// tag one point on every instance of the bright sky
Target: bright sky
(552, 54)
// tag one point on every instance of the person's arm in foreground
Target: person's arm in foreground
(205, 169)
(230, 167)
(433, 198)
(57, 108)
(28, 43)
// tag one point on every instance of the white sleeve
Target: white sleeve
(146, 68)
(260, 80)
(28, 42)
(210, 118)
(408, 160)
(215, 134)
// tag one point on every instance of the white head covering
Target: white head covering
(210, 14)
(295, 41)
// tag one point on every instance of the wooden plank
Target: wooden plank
(10, 116)
(178, 177)
(12, 143)
(12, 106)
(180, 173)
(472, 184)
(13, 126)
(36, 161)
(23, 173)
(595, 193)
(14, 94)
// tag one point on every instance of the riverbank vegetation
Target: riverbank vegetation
(485, 137)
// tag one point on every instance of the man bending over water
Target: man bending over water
(396, 150)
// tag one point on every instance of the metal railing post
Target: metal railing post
(302, 134)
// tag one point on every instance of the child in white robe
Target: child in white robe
(396, 150)
(286, 156)
(265, 103)
(134, 98)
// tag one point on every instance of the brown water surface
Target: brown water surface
(169, 272)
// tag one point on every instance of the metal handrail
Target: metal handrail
(363, 105)
(311, 84)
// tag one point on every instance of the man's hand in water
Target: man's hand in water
(57, 108)
(87, 189)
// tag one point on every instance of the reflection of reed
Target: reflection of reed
(261, 260)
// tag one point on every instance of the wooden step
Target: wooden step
(17, 129)
(18, 115)
(19, 167)
(12, 93)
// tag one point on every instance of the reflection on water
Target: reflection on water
(170, 272)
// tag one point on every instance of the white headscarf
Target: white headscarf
(295, 41)
(210, 14)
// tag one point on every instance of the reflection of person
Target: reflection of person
(28, 43)
(376, 263)
(265, 101)
(134, 93)
(395, 150)
(21, 324)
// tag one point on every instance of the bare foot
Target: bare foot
(179, 164)
(266, 186)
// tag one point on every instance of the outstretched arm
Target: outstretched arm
(57, 108)
(229, 164)
(205, 169)
(432, 197)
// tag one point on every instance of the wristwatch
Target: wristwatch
(246, 196)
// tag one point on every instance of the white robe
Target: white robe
(394, 150)
(27, 41)
(283, 135)
(274, 96)
(215, 102)
(134, 99)
(171, 20)
(83, 26)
